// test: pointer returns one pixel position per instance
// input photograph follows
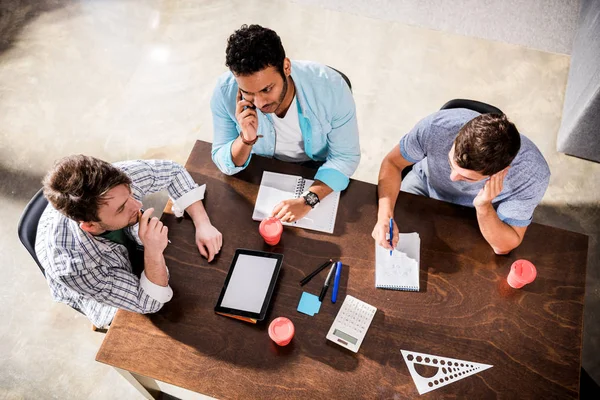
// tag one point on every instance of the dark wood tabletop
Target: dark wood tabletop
(464, 310)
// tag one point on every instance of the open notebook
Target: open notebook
(275, 188)
(400, 271)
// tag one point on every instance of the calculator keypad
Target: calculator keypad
(353, 318)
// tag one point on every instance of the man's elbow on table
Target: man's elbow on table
(502, 250)
(156, 307)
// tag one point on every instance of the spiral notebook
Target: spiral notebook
(275, 188)
(399, 271)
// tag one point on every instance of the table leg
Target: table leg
(146, 386)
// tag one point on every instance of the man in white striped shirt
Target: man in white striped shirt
(93, 226)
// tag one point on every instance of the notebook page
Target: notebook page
(399, 271)
(274, 188)
(321, 218)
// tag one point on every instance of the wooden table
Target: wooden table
(465, 308)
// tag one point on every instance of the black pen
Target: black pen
(320, 268)
(327, 281)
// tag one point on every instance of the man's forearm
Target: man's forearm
(155, 267)
(198, 214)
(502, 237)
(320, 189)
(388, 187)
(240, 152)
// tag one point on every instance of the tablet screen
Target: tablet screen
(249, 283)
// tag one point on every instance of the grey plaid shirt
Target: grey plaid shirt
(94, 274)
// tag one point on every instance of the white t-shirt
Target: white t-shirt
(289, 144)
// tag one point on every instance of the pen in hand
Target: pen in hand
(140, 217)
(391, 235)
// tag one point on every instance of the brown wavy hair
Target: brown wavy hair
(76, 186)
(487, 144)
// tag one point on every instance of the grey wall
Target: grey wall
(547, 25)
(579, 133)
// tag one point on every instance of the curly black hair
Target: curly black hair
(253, 48)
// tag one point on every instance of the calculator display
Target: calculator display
(344, 336)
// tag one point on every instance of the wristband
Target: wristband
(249, 142)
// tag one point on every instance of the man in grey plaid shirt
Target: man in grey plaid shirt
(93, 224)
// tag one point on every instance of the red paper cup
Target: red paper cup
(521, 273)
(271, 229)
(281, 331)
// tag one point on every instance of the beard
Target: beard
(107, 227)
(283, 93)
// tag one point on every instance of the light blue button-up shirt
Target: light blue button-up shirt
(327, 117)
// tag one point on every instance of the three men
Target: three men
(89, 233)
(295, 111)
(474, 160)
(301, 112)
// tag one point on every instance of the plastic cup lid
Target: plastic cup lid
(523, 271)
(281, 329)
(270, 227)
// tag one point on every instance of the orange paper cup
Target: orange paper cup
(271, 229)
(521, 273)
(281, 331)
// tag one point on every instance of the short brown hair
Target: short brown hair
(76, 186)
(487, 144)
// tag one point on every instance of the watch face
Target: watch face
(311, 199)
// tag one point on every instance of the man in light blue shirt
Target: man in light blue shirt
(298, 111)
(471, 159)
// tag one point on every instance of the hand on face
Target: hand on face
(291, 210)
(209, 240)
(491, 189)
(247, 118)
(152, 232)
(381, 233)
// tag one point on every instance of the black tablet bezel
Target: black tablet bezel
(263, 311)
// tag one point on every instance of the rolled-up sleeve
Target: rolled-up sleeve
(343, 152)
(517, 210)
(107, 285)
(225, 132)
(162, 294)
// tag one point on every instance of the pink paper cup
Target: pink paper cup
(271, 229)
(522, 272)
(281, 331)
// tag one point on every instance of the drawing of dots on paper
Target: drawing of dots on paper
(449, 370)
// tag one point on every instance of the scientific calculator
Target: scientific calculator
(351, 323)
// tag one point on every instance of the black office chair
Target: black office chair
(343, 76)
(27, 230)
(29, 222)
(482, 108)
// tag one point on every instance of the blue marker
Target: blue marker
(391, 234)
(336, 282)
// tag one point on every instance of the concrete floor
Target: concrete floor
(125, 79)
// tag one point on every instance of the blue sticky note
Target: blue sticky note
(309, 304)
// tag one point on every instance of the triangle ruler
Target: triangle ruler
(449, 370)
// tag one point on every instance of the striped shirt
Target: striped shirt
(94, 274)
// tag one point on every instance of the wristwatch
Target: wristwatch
(311, 199)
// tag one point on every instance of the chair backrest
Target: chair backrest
(343, 76)
(29, 222)
(482, 108)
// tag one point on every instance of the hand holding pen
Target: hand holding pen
(152, 232)
(385, 233)
(391, 235)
